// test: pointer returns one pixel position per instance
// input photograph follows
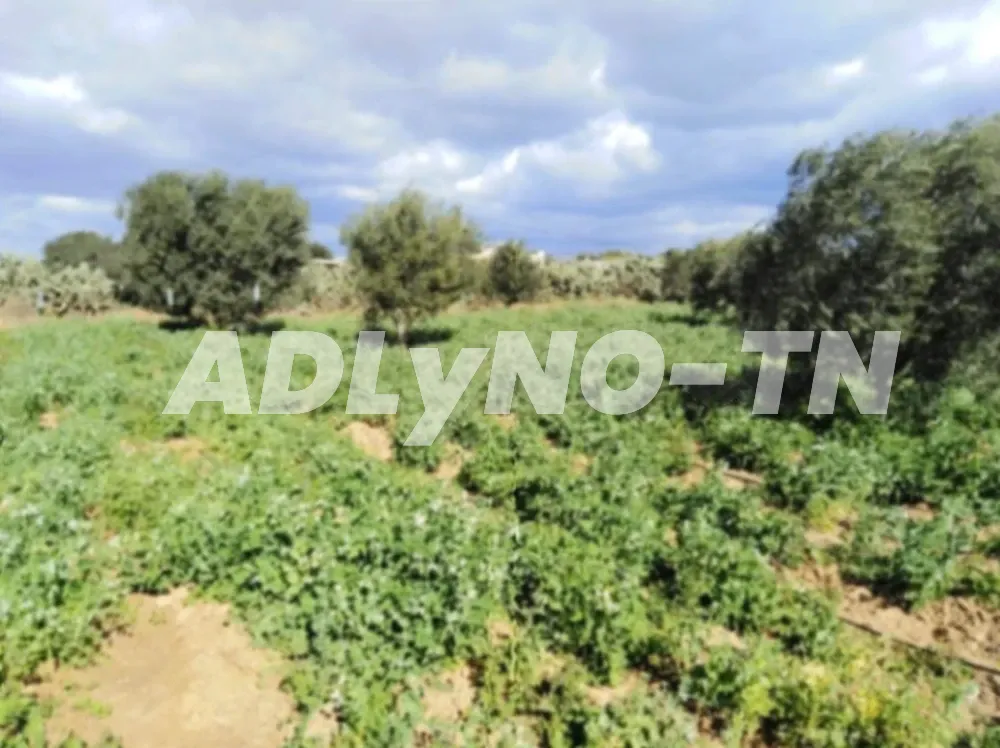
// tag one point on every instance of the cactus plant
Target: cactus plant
(80, 289)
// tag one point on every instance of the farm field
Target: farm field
(687, 574)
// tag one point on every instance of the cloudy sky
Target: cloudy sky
(574, 124)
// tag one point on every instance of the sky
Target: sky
(575, 125)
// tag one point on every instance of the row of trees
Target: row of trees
(894, 231)
(223, 252)
(899, 230)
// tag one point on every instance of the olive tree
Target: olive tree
(710, 272)
(412, 258)
(896, 231)
(513, 274)
(84, 247)
(675, 275)
(211, 249)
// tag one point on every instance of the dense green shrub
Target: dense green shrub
(513, 274)
(577, 279)
(633, 277)
(638, 278)
(675, 275)
(85, 247)
(412, 258)
(211, 249)
(321, 287)
(893, 231)
(80, 288)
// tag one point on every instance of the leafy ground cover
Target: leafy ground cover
(573, 579)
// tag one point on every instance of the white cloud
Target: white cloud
(604, 121)
(606, 150)
(845, 71)
(933, 76)
(358, 194)
(63, 97)
(72, 204)
(574, 66)
(471, 75)
(63, 89)
(968, 46)
(28, 221)
(715, 223)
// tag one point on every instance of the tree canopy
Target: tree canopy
(223, 251)
(412, 256)
(897, 230)
(79, 247)
(513, 274)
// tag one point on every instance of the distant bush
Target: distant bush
(675, 275)
(576, 279)
(81, 289)
(638, 278)
(513, 274)
(319, 251)
(321, 287)
(210, 242)
(632, 277)
(85, 247)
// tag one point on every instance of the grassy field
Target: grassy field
(687, 574)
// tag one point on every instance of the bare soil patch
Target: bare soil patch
(701, 469)
(719, 636)
(958, 627)
(825, 539)
(580, 463)
(188, 448)
(451, 465)
(691, 478)
(449, 696)
(507, 421)
(602, 696)
(920, 512)
(988, 533)
(374, 441)
(49, 420)
(501, 630)
(740, 479)
(16, 313)
(182, 676)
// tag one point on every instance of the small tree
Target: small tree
(412, 258)
(319, 251)
(513, 274)
(79, 247)
(222, 251)
(675, 275)
(712, 273)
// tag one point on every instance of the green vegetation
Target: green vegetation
(513, 274)
(891, 231)
(85, 247)
(32, 284)
(202, 247)
(602, 580)
(412, 258)
(371, 578)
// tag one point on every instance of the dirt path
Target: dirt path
(182, 676)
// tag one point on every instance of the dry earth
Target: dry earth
(182, 675)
